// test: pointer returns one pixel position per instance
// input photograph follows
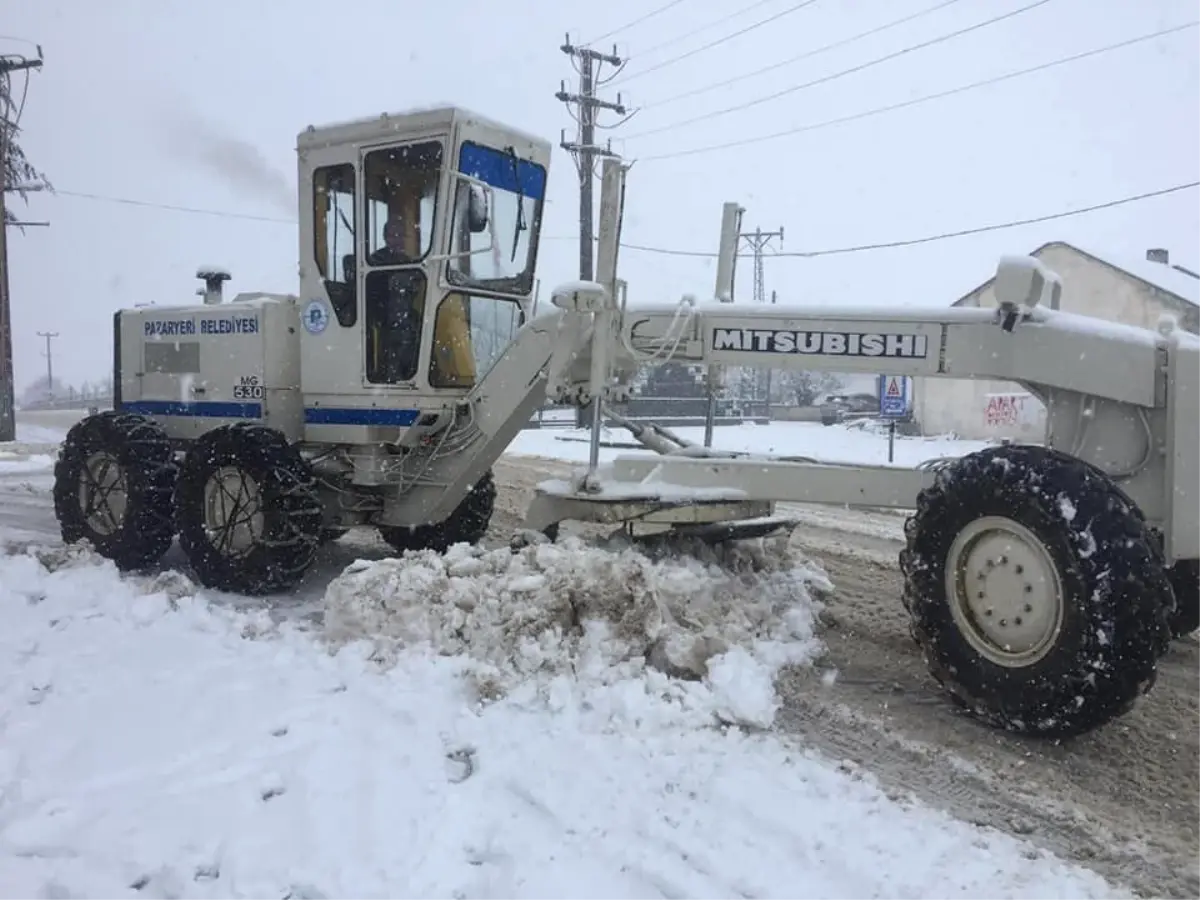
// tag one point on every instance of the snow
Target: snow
(1162, 276)
(831, 443)
(1018, 276)
(33, 452)
(15, 459)
(157, 743)
(606, 487)
(817, 313)
(604, 615)
(1117, 332)
(40, 434)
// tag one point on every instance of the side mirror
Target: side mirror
(477, 209)
(472, 202)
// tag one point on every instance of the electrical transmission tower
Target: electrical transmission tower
(584, 151)
(8, 126)
(758, 241)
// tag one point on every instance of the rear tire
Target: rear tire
(467, 524)
(1059, 626)
(1185, 580)
(248, 510)
(112, 487)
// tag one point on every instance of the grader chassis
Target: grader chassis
(1043, 583)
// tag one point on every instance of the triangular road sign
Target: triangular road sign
(893, 388)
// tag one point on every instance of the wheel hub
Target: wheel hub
(1005, 593)
(103, 493)
(233, 516)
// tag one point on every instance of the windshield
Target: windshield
(513, 219)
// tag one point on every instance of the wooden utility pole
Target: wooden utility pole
(587, 63)
(8, 419)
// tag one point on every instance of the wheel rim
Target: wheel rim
(103, 493)
(1005, 592)
(233, 517)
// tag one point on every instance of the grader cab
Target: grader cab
(419, 239)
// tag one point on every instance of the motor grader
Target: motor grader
(1043, 582)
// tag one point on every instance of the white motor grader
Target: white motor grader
(1043, 582)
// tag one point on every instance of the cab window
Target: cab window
(333, 238)
(512, 224)
(469, 335)
(401, 198)
(395, 314)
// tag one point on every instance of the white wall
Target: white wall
(979, 410)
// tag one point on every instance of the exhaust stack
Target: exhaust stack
(212, 277)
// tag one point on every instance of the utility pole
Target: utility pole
(583, 150)
(49, 336)
(8, 420)
(759, 241)
(731, 224)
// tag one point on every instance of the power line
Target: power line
(841, 120)
(638, 21)
(942, 236)
(805, 55)
(854, 69)
(729, 37)
(670, 42)
(706, 254)
(220, 213)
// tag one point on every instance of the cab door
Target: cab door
(401, 185)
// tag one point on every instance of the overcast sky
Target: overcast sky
(198, 104)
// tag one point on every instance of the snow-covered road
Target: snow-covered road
(160, 741)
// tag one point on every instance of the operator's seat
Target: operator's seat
(343, 294)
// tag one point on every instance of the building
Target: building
(1133, 292)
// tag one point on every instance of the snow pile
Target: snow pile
(573, 623)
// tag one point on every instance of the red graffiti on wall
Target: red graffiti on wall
(1003, 410)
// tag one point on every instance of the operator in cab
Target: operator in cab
(392, 252)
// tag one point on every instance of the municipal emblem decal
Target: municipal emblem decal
(316, 317)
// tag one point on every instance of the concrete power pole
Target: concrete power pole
(587, 63)
(8, 420)
(731, 224)
(49, 336)
(759, 241)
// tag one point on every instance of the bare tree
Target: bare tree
(20, 175)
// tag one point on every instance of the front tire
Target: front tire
(467, 524)
(248, 511)
(1035, 590)
(112, 487)
(1185, 579)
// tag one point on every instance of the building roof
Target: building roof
(1164, 277)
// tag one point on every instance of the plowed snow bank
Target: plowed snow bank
(727, 620)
